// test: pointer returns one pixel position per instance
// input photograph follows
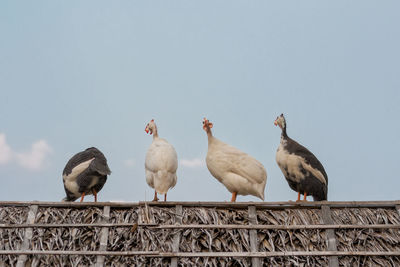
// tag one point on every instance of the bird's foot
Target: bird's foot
(234, 194)
(155, 196)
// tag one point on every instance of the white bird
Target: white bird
(239, 172)
(85, 174)
(161, 163)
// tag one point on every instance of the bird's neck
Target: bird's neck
(210, 136)
(284, 134)
(155, 133)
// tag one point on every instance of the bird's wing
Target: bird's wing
(241, 164)
(76, 160)
(84, 179)
(99, 165)
(310, 159)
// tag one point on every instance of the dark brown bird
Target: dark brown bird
(85, 174)
(302, 170)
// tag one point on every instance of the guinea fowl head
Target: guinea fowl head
(151, 127)
(281, 122)
(207, 125)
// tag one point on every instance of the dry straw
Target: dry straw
(187, 234)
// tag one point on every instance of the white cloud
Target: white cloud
(36, 158)
(130, 162)
(192, 163)
(5, 150)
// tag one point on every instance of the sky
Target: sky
(77, 74)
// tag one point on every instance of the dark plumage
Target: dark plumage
(85, 174)
(302, 170)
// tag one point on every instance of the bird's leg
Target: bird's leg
(83, 196)
(298, 197)
(305, 196)
(155, 196)
(233, 197)
(95, 195)
(165, 197)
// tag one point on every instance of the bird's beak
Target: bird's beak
(146, 130)
(275, 123)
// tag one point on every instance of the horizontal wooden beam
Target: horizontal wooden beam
(80, 252)
(278, 227)
(208, 226)
(202, 254)
(239, 205)
(281, 205)
(279, 254)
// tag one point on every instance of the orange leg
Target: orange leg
(165, 197)
(234, 194)
(155, 196)
(298, 197)
(305, 196)
(83, 196)
(95, 195)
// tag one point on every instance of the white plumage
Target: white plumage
(161, 163)
(239, 172)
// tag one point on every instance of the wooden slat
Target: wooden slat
(242, 205)
(177, 236)
(397, 207)
(208, 226)
(255, 262)
(103, 237)
(330, 235)
(67, 225)
(79, 252)
(279, 254)
(282, 205)
(28, 235)
(275, 227)
(203, 254)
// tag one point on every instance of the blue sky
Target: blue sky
(76, 74)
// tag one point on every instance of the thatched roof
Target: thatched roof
(200, 233)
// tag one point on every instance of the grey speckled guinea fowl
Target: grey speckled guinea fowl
(302, 170)
(85, 174)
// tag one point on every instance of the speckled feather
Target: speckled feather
(92, 176)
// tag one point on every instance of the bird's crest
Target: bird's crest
(207, 124)
(148, 128)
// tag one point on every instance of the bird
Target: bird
(85, 173)
(302, 170)
(161, 163)
(239, 172)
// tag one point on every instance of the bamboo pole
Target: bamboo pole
(242, 205)
(203, 254)
(209, 226)
(177, 236)
(103, 237)
(330, 235)
(28, 235)
(255, 262)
